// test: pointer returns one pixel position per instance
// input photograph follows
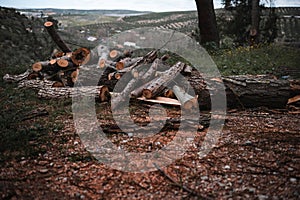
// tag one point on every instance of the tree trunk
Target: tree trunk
(254, 31)
(246, 91)
(207, 22)
(227, 4)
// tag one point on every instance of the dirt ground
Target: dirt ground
(257, 157)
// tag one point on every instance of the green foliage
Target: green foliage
(236, 22)
(266, 58)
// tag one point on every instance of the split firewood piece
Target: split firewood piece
(56, 38)
(187, 101)
(17, 78)
(159, 84)
(81, 56)
(98, 92)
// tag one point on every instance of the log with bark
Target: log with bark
(56, 38)
(99, 92)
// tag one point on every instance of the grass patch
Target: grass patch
(256, 60)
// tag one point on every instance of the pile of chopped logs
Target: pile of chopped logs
(157, 81)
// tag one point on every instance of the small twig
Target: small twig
(35, 113)
(192, 192)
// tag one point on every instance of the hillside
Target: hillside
(22, 41)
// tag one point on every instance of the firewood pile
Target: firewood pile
(148, 77)
(57, 76)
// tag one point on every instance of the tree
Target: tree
(255, 15)
(207, 22)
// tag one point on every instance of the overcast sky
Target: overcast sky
(141, 5)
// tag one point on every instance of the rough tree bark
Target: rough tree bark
(207, 21)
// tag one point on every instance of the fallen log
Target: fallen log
(245, 91)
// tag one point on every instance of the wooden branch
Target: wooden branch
(56, 38)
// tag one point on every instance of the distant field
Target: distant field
(83, 20)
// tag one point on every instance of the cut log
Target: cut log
(81, 56)
(56, 38)
(187, 101)
(63, 63)
(36, 67)
(74, 76)
(116, 55)
(99, 92)
(158, 85)
(33, 75)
